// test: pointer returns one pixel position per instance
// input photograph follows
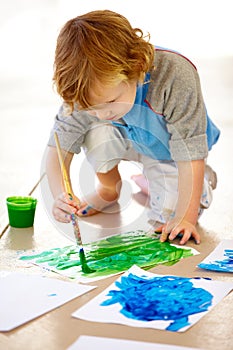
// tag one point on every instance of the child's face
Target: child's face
(112, 102)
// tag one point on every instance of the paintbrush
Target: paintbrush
(74, 219)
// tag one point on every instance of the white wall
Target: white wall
(28, 29)
(199, 28)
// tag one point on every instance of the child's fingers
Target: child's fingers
(65, 199)
(185, 237)
(164, 237)
(185, 234)
(87, 210)
(159, 229)
(175, 232)
(162, 230)
(63, 208)
(164, 234)
(61, 216)
(196, 236)
(71, 200)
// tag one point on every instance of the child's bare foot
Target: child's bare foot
(107, 194)
(141, 182)
(94, 204)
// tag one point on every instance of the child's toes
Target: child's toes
(87, 210)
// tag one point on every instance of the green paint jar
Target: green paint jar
(21, 211)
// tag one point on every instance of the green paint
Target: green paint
(114, 254)
(85, 267)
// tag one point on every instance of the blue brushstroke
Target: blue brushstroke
(167, 298)
(229, 253)
(52, 295)
(224, 265)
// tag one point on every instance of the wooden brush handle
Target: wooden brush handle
(62, 165)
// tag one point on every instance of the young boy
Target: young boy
(126, 99)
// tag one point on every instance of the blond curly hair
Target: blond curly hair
(99, 45)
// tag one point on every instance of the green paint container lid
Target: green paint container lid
(21, 211)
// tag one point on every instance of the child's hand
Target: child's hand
(176, 227)
(63, 207)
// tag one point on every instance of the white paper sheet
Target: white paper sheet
(89, 343)
(25, 297)
(94, 311)
(217, 261)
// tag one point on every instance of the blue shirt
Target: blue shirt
(148, 131)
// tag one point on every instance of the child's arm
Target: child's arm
(63, 206)
(191, 177)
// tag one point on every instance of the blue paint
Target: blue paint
(229, 253)
(166, 298)
(224, 265)
(52, 295)
(85, 211)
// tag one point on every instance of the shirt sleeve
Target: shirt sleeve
(181, 103)
(71, 130)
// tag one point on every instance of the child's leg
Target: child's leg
(141, 182)
(162, 177)
(104, 148)
(210, 183)
(107, 193)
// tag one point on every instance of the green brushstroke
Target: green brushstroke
(83, 262)
(114, 254)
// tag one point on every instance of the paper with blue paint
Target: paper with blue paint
(142, 299)
(221, 258)
(24, 297)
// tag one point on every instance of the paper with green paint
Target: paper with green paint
(112, 255)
